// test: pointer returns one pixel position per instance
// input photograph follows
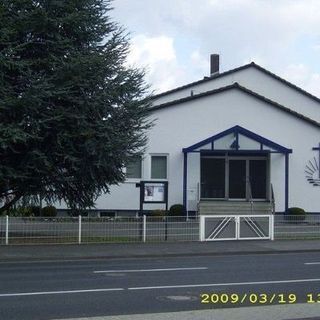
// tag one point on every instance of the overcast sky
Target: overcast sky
(173, 39)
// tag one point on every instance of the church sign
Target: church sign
(312, 169)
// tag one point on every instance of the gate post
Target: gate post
(201, 228)
(237, 220)
(271, 224)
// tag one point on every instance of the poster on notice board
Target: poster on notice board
(154, 192)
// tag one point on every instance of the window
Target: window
(134, 168)
(158, 167)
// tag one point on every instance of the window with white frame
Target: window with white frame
(134, 168)
(158, 167)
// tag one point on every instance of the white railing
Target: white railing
(273, 203)
(250, 196)
(40, 230)
(297, 227)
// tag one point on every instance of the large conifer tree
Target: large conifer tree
(71, 112)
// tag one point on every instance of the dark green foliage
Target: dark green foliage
(295, 214)
(19, 212)
(78, 212)
(49, 211)
(71, 113)
(177, 210)
(35, 210)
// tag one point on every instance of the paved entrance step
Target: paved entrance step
(208, 207)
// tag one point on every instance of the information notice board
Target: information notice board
(153, 192)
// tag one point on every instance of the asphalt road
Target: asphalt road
(71, 289)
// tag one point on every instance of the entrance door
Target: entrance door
(237, 179)
(258, 178)
(212, 178)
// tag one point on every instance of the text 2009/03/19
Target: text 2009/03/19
(257, 298)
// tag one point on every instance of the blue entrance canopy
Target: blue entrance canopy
(237, 131)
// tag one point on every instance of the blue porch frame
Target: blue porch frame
(265, 146)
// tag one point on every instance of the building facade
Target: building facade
(242, 138)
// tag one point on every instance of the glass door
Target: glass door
(237, 179)
(258, 178)
(212, 178)
(234, 177)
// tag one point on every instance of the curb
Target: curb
(151, 256)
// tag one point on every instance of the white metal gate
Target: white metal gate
(236, 227)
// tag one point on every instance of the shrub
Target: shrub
(35, 211)
(295, 214)
(78, 212)
(158, 213)
(24, 212)
(9, 212)
(49, 211)
(19, 212)
(177, 210)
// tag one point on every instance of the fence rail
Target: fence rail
(40, 230)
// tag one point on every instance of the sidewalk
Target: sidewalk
(142, 250)
(261, 312)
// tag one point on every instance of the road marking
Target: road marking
(171, 257)
(2, 295)
(150, 270)
(225, 284)
(57, 292)
(309, 263)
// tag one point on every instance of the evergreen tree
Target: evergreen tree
(71, 113)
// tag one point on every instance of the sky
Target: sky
(173, 39)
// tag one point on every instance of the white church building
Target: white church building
(234, 141)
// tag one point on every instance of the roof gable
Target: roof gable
(242, 89)
(246, 66)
